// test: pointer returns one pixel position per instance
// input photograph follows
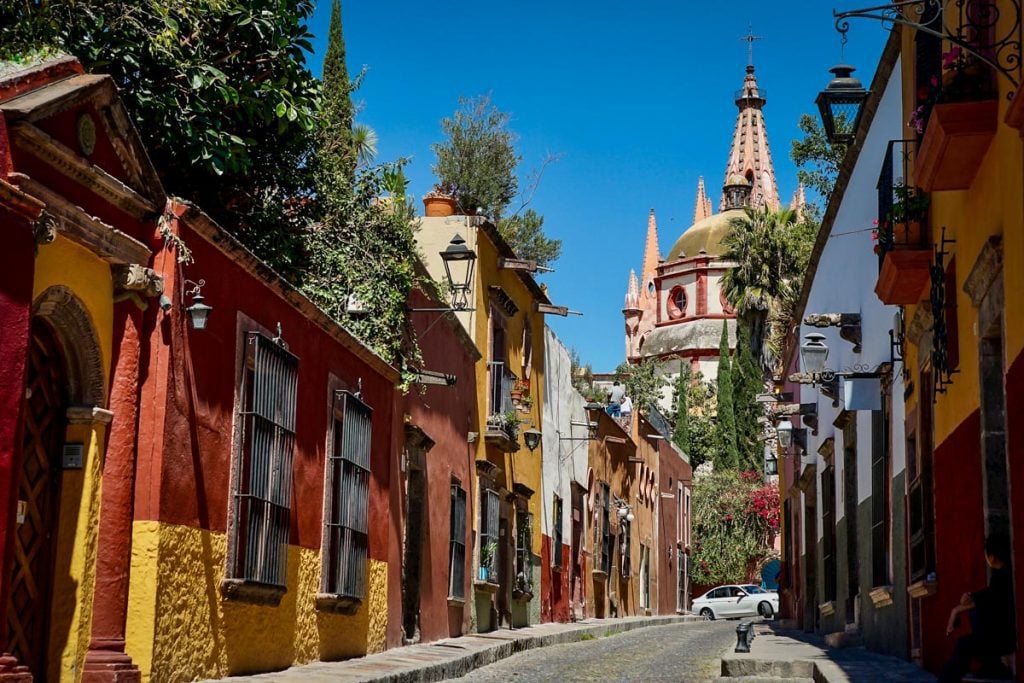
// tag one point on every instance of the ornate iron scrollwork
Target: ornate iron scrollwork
(943, 373)
(970, 25)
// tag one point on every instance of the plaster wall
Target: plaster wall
(565, 449)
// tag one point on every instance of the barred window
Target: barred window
(457, 544)
(624, 566)
(489, 511)
(606, 529)
(880, 496)
(556, 534)
(263, 467)
(828, 528)
(346, 541)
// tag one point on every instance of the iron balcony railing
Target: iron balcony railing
(896, 199)
(501, 380)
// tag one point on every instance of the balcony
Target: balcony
(503, 421)
(904, 247)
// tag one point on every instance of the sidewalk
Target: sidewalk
(779, 653)
(454, 657)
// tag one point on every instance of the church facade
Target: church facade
(675, 310)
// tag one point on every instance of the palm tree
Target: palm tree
(761, 287)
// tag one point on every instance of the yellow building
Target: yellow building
(504, 313)
(952, 225)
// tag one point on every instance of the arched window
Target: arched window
(677, 303)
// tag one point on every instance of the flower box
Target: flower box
(904, 276)
(955, 142)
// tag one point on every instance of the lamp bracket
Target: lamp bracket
(1002, 52)
(848, 324)
(193, 288)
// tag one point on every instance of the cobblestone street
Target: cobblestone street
(680, 652)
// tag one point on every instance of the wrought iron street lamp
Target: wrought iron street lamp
(814, 353)
(459, 264)
(784, 432)
(532, 438)
(199, 311)
(771, 466)
(840, 105)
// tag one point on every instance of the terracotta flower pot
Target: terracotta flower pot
(954, 143)
(907, 234)
(439, 207)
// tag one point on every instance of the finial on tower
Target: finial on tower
(749, 39)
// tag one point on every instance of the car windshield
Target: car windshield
(754, 589)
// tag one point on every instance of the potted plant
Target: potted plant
(487, 553)
(510, 423)
(526, 403)
(902, 226)
(440, 201)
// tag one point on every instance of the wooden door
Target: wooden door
(28, 612)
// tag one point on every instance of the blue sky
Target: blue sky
(636, 96)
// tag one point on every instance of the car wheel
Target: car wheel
(765, 610)
(707, 614)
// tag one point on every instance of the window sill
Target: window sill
(881, 596)
(253, 592)
(456, 602)
(485, 586)
(338, 604)
(827, 609)
(522, 596)
(599, 574)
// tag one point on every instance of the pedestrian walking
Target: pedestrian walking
(615, 396)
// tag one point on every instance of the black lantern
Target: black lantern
(460, 277)
(840, 104)
(771, 466)
(784, 430)
(532, 438)
(814, 353)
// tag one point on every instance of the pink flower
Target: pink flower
(949, 59)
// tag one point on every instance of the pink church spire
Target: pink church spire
(632, 293)
(749, 155)
(702, 207)
(799, 201)
(652, 257)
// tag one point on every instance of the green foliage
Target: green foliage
(748, 382)
(701, 425)
(219, 91)
(643, 383)
(909, 205)
(525, 234)
(478, 157)
(732, 536)
(816, 159)
(728, 453)
(336, 155)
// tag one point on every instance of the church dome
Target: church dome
(737, 179)
(705, 235)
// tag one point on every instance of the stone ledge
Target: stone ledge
(881, 596)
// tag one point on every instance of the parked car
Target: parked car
(726, 602)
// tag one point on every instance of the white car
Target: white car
(726, 602)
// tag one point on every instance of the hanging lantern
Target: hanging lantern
(841, 104)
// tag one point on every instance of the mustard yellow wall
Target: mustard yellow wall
(179, 627)
(993, 205)
(66, 263)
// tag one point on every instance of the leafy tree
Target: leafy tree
(643, 383)
(816, 159)
(525, 234)
(747, 382)
(701, 425)
(219, 91)
(728, 454)
(478, 157)
(735, 520)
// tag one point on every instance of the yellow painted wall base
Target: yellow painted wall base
(179, 627)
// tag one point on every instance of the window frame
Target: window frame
(828, 530)
(457, 542)
(265, 414)
(490, 515)
(556, 532)
(524, 550)
(881, 496)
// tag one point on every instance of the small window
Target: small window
(346, 537)
(677, 303)
(650, 287)
(489, 512)
(556, 534)
(457, 544)
(263, 463)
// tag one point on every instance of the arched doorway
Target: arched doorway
(38, 491)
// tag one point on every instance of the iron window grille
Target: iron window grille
(457, 544)
(880, 495)
(606, 530)
(828, 515)
(263, 482)
(489, 512)
(556, 534)
(346, 546)
(524, 551)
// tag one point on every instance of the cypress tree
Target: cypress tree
(747, 383)
(336, 155)
(681, 431)
(728, 455)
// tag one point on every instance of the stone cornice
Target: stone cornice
(986, 269)
(132, 277)
(920, 324)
